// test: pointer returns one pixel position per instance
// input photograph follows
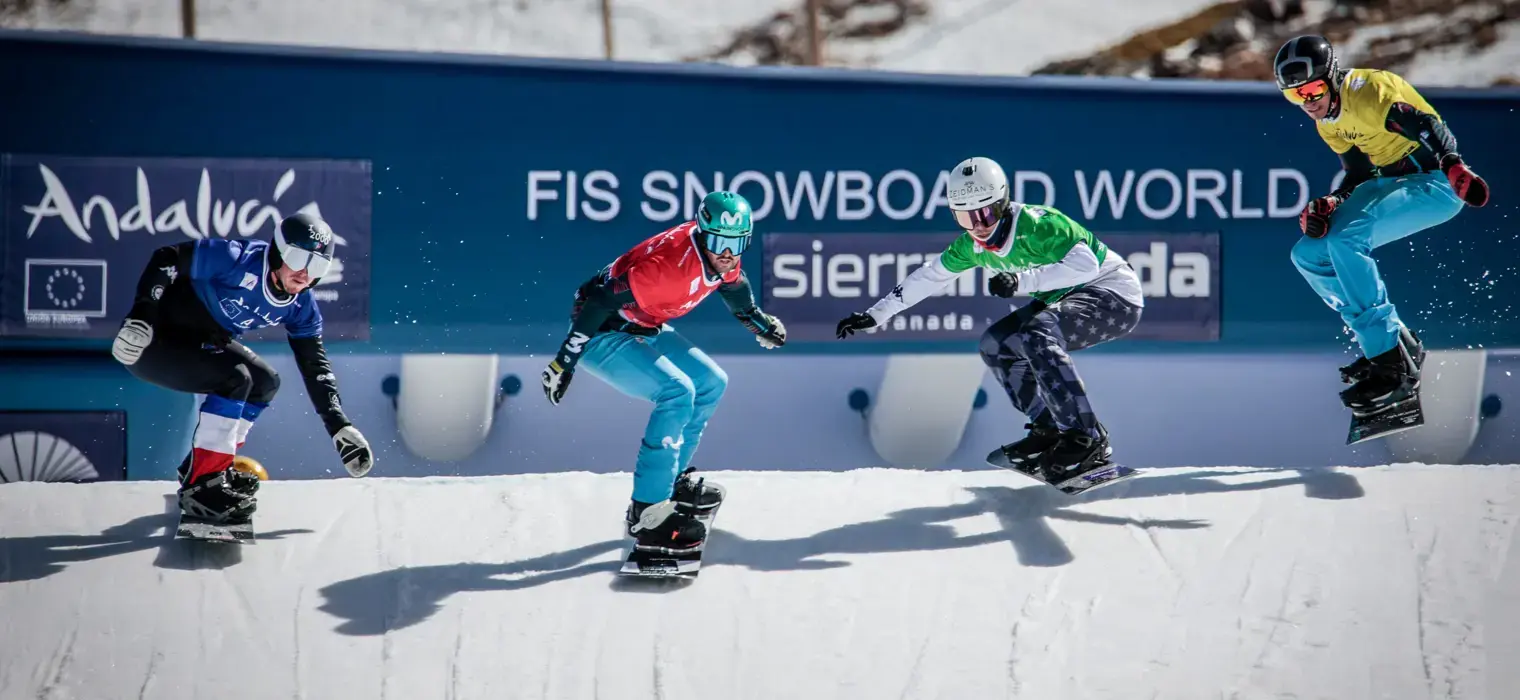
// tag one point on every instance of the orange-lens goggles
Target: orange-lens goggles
(1308, 92)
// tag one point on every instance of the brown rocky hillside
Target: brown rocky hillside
(1228, 40)
(1236, 40)
(782, 39)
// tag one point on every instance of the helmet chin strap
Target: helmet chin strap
(278, 284)
(1335, 79)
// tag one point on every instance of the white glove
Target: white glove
(131, 340)
(354, 450)
(776, 338)
(772, 335)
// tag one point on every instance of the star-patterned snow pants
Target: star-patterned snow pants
(1028, 351)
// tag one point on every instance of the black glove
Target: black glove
(768, 330)
(556, 377)
(1003, 284)
(1314, 220)
(857, 321)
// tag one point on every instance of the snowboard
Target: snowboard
(193, 528)
(1105, 475)
(643, 563)
(1404, 415)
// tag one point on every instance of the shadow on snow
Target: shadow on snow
(389, 600)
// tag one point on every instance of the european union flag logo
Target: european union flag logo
(66, 287)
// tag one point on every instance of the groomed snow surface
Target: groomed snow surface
(1390, 583)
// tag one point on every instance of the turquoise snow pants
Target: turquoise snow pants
(682, 382)
(1339, 266)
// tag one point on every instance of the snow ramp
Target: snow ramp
(1390, 582)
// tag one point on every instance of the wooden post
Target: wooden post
(607, 29)
(815, 38)
(187, 18)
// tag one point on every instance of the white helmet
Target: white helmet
(978, 194)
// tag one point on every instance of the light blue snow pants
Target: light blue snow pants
(1339, 266)
(683, 383)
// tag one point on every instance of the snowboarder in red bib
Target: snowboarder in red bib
(620, 333)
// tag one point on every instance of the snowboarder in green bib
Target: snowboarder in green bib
(1083, 294)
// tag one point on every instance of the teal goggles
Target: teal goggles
(718, 244)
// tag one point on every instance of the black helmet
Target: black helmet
(304, 242)
(1305, 59)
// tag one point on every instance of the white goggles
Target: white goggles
(315, 264)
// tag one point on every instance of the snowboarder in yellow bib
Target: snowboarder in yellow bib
(1084, 294)
(1402, 175)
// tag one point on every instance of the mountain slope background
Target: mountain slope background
(1433, 42)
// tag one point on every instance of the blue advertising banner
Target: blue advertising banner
(74, 446)
(76, 232)
(813, 281)
(486, 220)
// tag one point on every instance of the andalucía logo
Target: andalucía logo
(98, 205)
(79, 229)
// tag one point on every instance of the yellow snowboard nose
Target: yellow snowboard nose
(249, 465)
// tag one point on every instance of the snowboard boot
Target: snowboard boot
(1357, 371)
(697, 496)
(240, 481)
(1026, 452)
(227, 496)
(1076, 453)
(662, 527)
(1390, 379)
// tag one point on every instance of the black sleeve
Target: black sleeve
(1407, 121)
(321, 384)
(166, 265)
(741, 301)
(738, 295)
(1358, 169)
(596, 301)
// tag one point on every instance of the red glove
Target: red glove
(1471, 188)
(1315, 218)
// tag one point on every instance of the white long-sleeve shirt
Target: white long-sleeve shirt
(1079, 266)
